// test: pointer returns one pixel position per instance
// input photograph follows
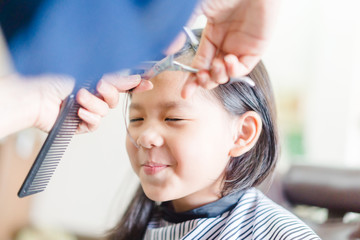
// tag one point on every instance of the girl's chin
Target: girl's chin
(156, 196)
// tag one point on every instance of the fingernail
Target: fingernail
(135, 78)
(230, 58)
(87, 116)
(146, 84)
(201, 77)
(103, 86)
(82, 113)
(83, 95)
(189, 90)
(215, 68)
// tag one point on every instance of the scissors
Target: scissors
(166, 64)
(169, 64)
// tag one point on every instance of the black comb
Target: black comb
(55, 145)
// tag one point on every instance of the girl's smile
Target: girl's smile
(152, 168)
(153, 161)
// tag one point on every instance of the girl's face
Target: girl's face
(184, 144)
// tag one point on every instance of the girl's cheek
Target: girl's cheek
(182, 147)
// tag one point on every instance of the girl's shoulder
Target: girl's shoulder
(259, 217)
(254, 216)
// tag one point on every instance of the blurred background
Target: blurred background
(314, 66)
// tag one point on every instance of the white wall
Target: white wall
(315, 54)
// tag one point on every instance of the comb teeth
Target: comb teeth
(53, 149)
(50, 162)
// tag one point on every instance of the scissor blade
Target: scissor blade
(192, 38)
(158, 67)
(185, 68)
(153, 68)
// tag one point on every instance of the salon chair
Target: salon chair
(337, 190)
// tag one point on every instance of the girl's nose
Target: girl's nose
(149, 139)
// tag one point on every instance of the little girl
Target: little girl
(198, 161)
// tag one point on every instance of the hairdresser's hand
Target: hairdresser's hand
(233, 41)
(94, 107)
(50, 91)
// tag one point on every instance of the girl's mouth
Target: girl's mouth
(153, 168)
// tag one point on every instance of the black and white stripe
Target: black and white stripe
(254, 217)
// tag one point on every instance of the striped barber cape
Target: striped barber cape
(242, 215)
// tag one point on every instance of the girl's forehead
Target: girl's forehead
(167, 84)
(167, 88)
(170, 81)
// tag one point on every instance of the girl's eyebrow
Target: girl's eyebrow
(164, 105)
(135, 106)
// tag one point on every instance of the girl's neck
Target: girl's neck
(197, 199)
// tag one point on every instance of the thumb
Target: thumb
(122, 82)
(240, 66)
(205, 54)
(202, 61)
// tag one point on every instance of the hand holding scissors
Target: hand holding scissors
(153, 68)
(169, 64)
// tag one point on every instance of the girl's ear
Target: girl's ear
(248, 129)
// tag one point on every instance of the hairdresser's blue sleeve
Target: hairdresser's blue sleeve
(87, 38)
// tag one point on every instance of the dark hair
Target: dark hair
(251, 168)
(135, 219)
(242, 172)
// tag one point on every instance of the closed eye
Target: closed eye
(136, 120)
(173, 119)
